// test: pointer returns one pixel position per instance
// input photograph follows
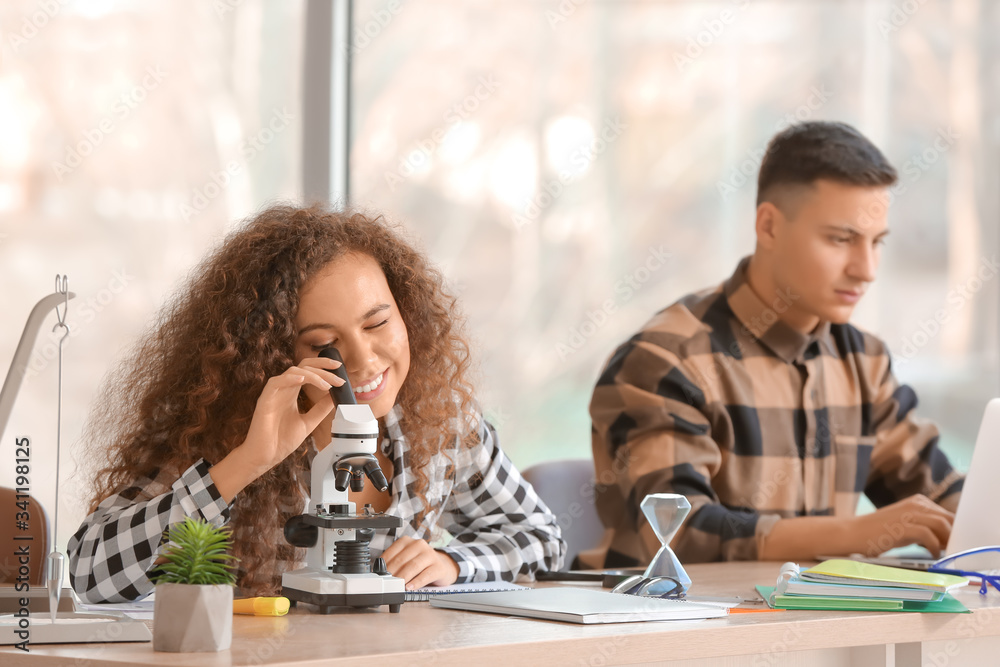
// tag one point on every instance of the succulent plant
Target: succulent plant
(196, 554)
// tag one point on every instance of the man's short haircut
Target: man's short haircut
(807, 152)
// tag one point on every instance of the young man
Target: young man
(760, 403)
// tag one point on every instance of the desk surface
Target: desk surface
(420, 634)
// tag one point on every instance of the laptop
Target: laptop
(975, 524)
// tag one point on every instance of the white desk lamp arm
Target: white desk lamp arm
(19, 364)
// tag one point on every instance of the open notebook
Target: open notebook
(578, 605)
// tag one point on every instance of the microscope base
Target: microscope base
(331, 590)
(327, 604)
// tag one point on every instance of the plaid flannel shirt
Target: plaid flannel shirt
(718, 400)
(500, 529)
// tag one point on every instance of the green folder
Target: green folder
(946, 605)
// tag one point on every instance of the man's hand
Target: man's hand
(419, 565)
(914, 519)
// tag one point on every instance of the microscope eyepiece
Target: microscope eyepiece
(342, 395)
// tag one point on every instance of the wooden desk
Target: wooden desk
(421, 635)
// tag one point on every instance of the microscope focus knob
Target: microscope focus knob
(378, 567)
(300, 534)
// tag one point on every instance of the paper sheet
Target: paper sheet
(141, 610)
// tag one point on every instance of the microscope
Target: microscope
(339, 571)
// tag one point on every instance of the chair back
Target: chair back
(34, 534)
(567, 487)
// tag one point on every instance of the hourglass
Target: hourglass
(665, 513)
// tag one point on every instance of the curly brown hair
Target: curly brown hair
(189, 387)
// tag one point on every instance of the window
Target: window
(576, 167)
(131, 136)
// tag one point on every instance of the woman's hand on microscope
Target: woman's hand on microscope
(277, 428)
(324, 368)
(419, 564)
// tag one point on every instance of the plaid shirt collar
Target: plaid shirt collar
(762, 321)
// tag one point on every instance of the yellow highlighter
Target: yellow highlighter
(261, 606)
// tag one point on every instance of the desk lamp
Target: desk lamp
(339, 571)
(11, 385)
(62, 627)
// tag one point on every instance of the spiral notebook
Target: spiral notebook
(578, 605)
(424, 594)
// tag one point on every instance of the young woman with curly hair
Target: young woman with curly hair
(220, 408)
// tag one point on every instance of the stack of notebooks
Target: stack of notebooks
(847, 585)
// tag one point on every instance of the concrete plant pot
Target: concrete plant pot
(189, 618)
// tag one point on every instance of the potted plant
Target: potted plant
(194, 590)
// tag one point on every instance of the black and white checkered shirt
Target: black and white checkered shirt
(499, 526)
